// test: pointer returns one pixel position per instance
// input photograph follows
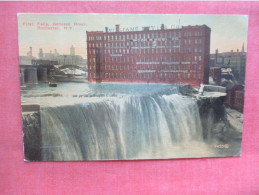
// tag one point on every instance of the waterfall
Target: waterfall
(119, 128)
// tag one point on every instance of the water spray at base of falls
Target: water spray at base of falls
(128, 127)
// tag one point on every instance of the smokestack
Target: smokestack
(30, 51)
(162, 26)
(106, 29)
(117, 27)
(243, 48)
(216, 56)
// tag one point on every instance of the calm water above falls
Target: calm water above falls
(72, 93)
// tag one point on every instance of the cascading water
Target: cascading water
(119, 128)
(105, 121)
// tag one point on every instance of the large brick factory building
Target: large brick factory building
(150, 56)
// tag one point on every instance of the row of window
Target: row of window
(192, 49)
(148, 67)
(161, 50)
(195, 33)
(145, 44)
(189, 41)
(151, 59)
(143, 50)
(141, 35)
(135, 43)
(123, 75)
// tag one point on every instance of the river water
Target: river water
(107, 121)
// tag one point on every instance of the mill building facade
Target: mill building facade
(150, 56)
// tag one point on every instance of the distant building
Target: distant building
(26, 60)
(155, 56)
(235, 97)
(63, 59)
(29, 54)
(215, 73)
(41, 54)
(239, 100)
(49, 56)
(226, 73)
(70, 60)
(72, 50)
(234, 60)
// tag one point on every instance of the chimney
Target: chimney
(117, 27)
(106, 29)
(216, 56)
(30, 51)
(162, 26)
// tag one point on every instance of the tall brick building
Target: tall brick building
(150, 56)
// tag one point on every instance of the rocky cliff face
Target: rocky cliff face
(213, 116)
(211, 109)
(221, 130)
(31, 136)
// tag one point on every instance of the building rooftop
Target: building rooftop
(147, 28)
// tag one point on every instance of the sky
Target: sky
(228, 32)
